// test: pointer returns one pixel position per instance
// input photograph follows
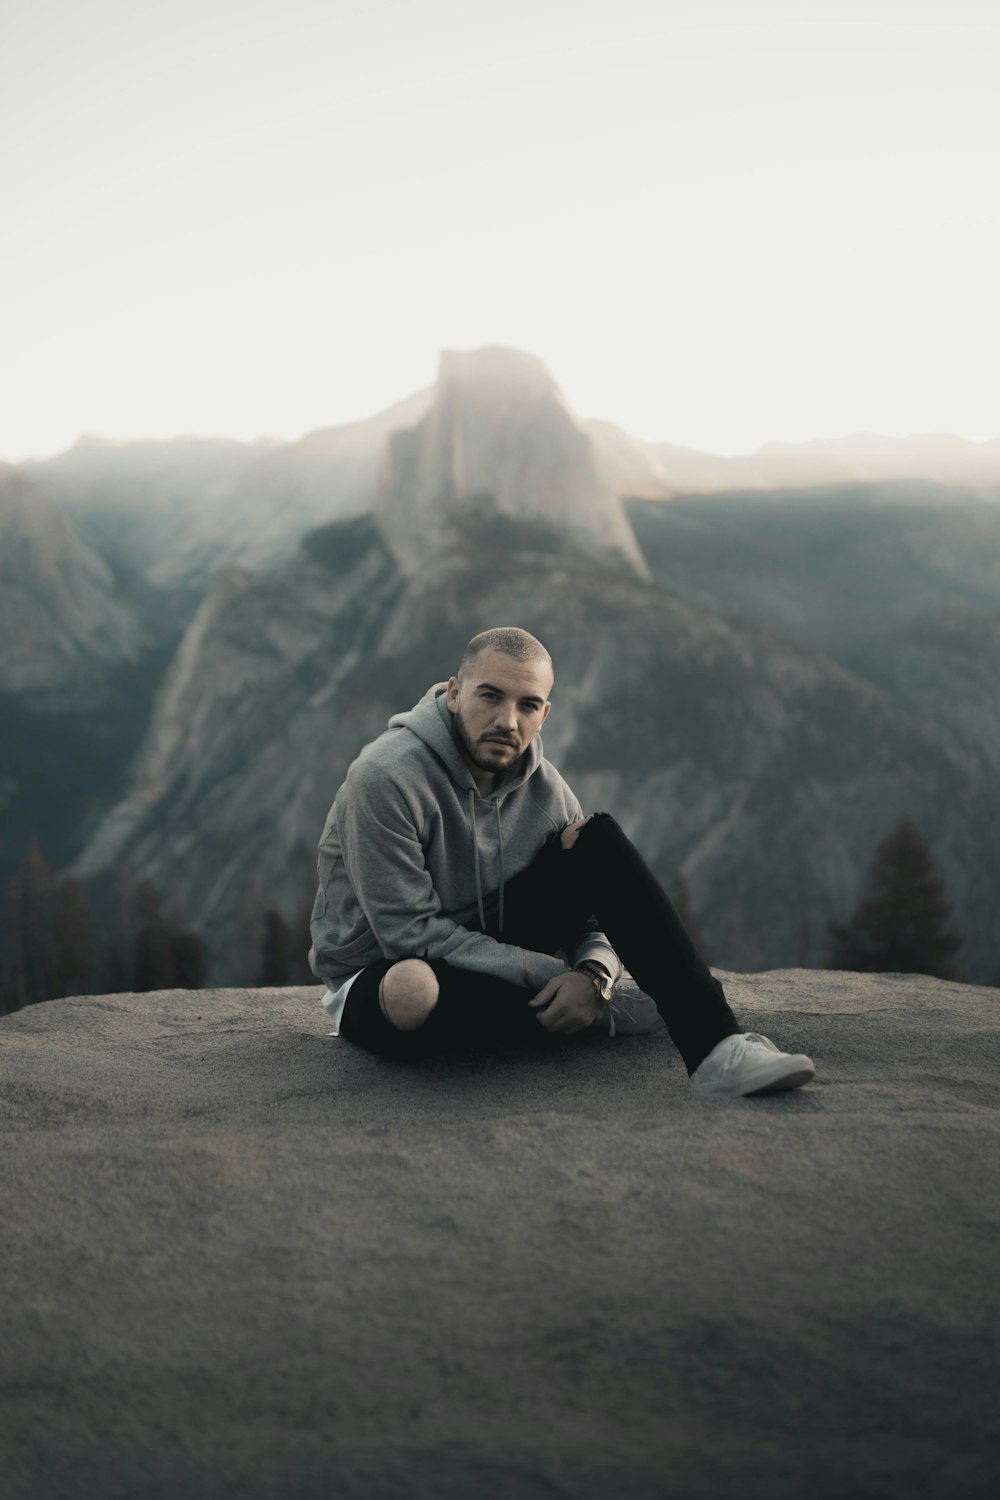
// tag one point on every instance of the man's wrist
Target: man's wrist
(599, 977)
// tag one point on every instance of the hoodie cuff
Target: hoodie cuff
(539, 968)
(596, 947)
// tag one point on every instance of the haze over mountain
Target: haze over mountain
(657, 471)
(757, 684)
(730, 744)
(177, 510)
(499, 444)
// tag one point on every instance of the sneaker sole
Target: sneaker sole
(794, 1078)
(790, 1081)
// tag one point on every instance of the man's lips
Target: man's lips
(492, 739)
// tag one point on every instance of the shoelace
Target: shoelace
(617, 1010)
(746, 1040)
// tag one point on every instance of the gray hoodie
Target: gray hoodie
(413, 858)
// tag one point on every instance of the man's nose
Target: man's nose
(507, 717)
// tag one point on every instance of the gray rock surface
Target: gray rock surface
(247, 1259)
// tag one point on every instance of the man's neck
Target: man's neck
(485, 780)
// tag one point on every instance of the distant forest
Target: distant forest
(58, 948)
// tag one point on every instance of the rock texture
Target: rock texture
(499, 445)
(245, 1258)
(61, 627)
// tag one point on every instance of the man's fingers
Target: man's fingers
(544, 996)
(554, 1019)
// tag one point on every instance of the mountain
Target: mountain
(175, 512)
(78, 669)
(493, 429)
(661, 471)
(62, 628)
(763, 772)
(757, 684)
(500, 446)
(897, 582)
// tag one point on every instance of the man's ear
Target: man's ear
(545, 712)
(454, 686)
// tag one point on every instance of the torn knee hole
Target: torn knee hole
(407, 993)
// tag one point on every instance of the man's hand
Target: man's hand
(568, 1003)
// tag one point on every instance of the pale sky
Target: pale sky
(719, 222)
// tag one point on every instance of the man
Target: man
(465, 901)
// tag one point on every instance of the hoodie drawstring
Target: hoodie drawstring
(475, 857)
(496, 809)
(475, 860)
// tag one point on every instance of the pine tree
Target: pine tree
(121, 948)
(899, 926)
(72, 941)
(274, 956)
(31, 912)
(153, 959)
(190, 958)
(188, 950)
(250, 934)
(300, 937)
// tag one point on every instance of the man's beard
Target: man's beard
(476, 753)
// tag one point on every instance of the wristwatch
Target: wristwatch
(603, 983)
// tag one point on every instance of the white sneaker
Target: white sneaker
(749, 1064)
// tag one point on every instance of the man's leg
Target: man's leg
(410, 1008)
(595, 871)
(592, 869)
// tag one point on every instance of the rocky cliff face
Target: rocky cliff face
(176, 512)
(763, 772)
(62, 628)
(758, 686)
(498, 448)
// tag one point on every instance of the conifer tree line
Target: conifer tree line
(58, 947)
(899, 926)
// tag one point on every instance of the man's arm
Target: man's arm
(385, 864)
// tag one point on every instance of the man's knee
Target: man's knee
(571, 832)
(408, 993)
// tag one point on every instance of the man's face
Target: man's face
(499, 706)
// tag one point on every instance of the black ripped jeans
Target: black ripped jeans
(546, 908)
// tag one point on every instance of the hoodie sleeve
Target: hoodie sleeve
(385, 864)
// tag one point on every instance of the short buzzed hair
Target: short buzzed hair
(508, 639)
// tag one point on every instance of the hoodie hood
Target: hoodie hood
(431, 721)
